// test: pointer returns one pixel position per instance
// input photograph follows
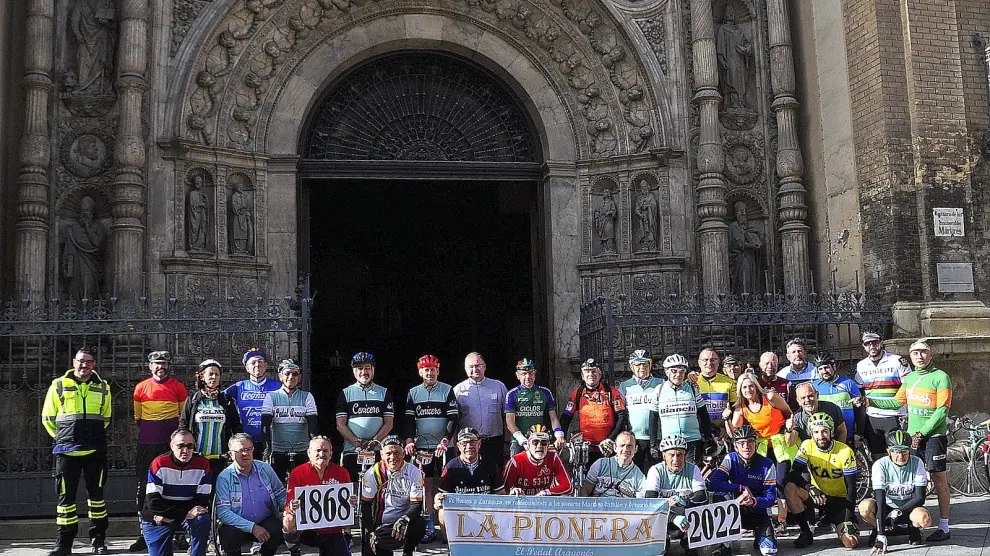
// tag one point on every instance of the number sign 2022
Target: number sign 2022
(714, 523)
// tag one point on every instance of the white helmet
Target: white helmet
(673, 442)
(675, 360)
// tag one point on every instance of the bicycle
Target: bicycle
(422, 459)
(969, 456)
(864, 469)
(577, 457)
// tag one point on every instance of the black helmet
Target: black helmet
(898, 440)
(825, 358)
(742, 432)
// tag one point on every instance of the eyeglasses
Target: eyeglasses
(186, 446)
(745, 441)
(243, 451)
(539, 442)
(86, 361)
(872, 343)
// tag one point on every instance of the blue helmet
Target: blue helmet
(362, 358)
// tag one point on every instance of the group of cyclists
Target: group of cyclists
(770, 438)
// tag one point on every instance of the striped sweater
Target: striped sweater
(174, 487)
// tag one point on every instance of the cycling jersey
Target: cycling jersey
(156, 408)
(840, 391)
(760, 477)
(667, 483)
(392, 492)
(828, 468)
(484, 477)
(880, 381)
(549, 475)
(927, 392)
(767, 421)
(718, 392)
(429, 414)
(899, 481)
(596, 410)
(614, 481)
(249, 396)
(290, 429)
(531, 406)
(790, 375)
(640, 397)
(365, 410)
(678, 408)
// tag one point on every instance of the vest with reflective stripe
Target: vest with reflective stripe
(80, 411)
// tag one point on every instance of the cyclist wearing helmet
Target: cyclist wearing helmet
(840, 390)
(431, 413)
(288, 421)
(717, 389)
(211, 416)
(679, 482)
(832, 467)
(879, 374)
(537, 471)
(899, 485)
(527, 405)
(681, 409)
(617, 476)
(468, 473)
(640, 393)
(751, 479)
(600, 410)
(392, 503)
(364, 411)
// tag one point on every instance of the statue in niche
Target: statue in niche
(734, 52)
(91, 23)
(605, 216)
(81, 253)
(241, 222)
(197, 215)
(745, 253)
(647, 211)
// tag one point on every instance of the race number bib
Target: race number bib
(366, 458)
(714, 523)
(323, 506)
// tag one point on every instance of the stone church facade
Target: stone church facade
(677, 146)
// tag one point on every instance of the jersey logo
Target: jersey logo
(824, 473)
(570, 406)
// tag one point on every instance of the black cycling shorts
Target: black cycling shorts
(876, 432)
(933, 451)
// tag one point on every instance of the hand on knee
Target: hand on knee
(921, 518)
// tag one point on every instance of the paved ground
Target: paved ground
(970, 537)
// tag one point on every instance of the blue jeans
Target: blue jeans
(159, 537)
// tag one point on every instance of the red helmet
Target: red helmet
(428, 361)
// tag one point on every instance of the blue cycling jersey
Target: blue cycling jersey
(760, 476)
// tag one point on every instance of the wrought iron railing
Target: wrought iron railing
(744, 326)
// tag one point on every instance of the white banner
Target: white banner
(323, 506)
(714, 523)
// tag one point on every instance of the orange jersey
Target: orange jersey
(596, 410)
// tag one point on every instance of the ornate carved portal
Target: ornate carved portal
(420, 106)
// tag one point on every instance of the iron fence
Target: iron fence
(38, 343)
(744, 326)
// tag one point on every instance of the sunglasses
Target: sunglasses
(186, 446)
(540, 442)
(290, 373)
(872, 343)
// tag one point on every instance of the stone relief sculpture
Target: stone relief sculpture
(197, 215)
(91, 22)
(647, 212)
(734, 53)
(605, 217)
(241, 222)
(745, 253)
(81, 246)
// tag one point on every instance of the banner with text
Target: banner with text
(486, 525)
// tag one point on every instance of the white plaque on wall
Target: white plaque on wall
(955, 277)
(949, 222)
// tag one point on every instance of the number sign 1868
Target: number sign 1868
(324, 506)
(714, 523)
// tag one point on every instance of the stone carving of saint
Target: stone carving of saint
(605, 216)
(90, 22)
(745, 253)
(734, 52)
(241, 222)
(646, 211)
(81, 253)
(197, 215)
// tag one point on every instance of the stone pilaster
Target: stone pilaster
(711, 207)
(32, 205)
(127, 230)
(792, 210)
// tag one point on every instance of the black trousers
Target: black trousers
(93, 468)
(493, 449)
(146, 453)
(643, 459)
(283, 464)
(231, 538)
(414, 534)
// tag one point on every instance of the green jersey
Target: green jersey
(927, 393)
(531, 406)
(899, 481)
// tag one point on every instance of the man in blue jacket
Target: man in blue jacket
(249, 498)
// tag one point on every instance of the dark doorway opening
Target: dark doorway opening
(404, 268)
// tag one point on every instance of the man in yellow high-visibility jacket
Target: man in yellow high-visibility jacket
(76, 414)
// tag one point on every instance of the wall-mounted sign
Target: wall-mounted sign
(949, 222)
(955, 277)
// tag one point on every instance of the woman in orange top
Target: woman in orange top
(767, 412)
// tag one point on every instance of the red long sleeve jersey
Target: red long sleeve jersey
(549, 475)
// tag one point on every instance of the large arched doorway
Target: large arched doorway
(420, 174)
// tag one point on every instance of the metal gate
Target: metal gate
(744, 326)
(38, 343)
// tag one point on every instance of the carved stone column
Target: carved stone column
(791, 208)
(32, 207)
(712, 207)
(127, 230)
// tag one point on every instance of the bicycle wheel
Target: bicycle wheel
(966, 475)
(864, 463)
(978, 476)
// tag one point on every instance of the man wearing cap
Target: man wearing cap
(880, 374)
(927, 393)
(537, 471)
(481, 402)
(600, 411)
(392, 503)
(468, 473)
(157, 403)
(527, 405)
(732, 367)
(288, 421)
(250, 395)
(639, 393)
